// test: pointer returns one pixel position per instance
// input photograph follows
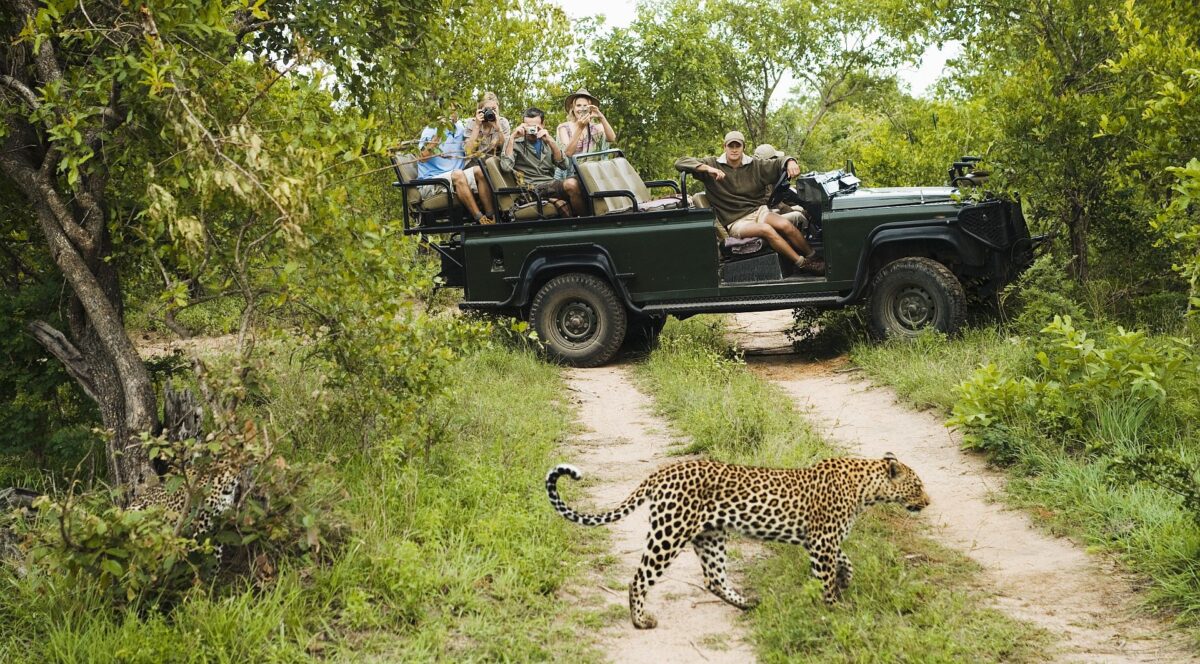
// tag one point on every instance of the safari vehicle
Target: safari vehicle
(589, 284)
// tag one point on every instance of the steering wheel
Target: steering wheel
(781, 189)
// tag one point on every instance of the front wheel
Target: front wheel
(911, 294)
(579, 318)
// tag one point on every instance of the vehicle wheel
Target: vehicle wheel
(579, 318)
(911, 294)
(643, 332)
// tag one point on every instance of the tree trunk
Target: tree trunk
(73, 219)
(1078, 227)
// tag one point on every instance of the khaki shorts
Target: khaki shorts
(739, 226)
(430, 190)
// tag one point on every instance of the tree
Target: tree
(132, 129)
(684, 73)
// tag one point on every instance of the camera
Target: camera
(489, 115)
(531, 132)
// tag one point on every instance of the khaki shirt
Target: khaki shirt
(533, 168)
(742, 190)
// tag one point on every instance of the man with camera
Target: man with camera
(488, 129)
(533, 154)
(737, 186)
(442, 158)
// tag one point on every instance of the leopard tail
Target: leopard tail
(631, 503)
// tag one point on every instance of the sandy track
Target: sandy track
(622, 444)
(1048, 581)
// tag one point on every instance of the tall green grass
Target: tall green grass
(1067, 480)
(911, 600)
(454, 557)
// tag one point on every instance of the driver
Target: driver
(736, 184)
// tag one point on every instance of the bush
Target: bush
(1076, 376)
(1039, 294)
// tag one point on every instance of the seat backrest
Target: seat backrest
(601, 176)
(405, 166)
(699, 199)
(499, 179)
(630, 179)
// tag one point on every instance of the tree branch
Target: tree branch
(60, 347)
(26, 93)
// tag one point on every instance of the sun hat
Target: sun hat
(733, 136)
(581, 92)
(767, 151)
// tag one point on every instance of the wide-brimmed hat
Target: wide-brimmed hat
(581, 92)
(767, 151)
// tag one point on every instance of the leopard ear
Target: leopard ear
(893, 464)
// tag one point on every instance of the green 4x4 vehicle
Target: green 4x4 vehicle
(589, 284)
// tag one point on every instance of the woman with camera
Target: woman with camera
(487, 131)
(586, 128)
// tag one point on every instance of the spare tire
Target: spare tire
(911, 294)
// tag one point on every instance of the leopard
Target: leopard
(219, 488)
(703, 501)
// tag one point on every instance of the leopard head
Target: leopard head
(903, 486)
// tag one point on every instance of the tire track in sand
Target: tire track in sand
(623, 442)
(1048, 581)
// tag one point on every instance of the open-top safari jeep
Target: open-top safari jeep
(588, 284)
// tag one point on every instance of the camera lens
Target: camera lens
(489, 115)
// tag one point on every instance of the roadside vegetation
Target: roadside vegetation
(909, 595)
(1096, 422)
(437, 549)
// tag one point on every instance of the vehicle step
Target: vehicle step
(759, 303)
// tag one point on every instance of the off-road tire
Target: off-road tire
(911, 294)
(642, 332)
(579, 319)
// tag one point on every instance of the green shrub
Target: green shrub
(1041, 292)
(1075, 376)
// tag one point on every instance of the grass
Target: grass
(451, 558)
(925, 371)
(1066, 481)
(911, 599)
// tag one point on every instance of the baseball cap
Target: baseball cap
(767, 151)
(734, 136)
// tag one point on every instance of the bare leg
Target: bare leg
(790, 233)
(575, 193)
(464, 193)
(485, 192)
(773, 238)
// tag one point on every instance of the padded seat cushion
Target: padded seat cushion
(438, 202)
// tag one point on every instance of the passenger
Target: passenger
(586, 128)
(736, 185)
(443, 159)
(797, 216)
(533, 155)
(487, 130)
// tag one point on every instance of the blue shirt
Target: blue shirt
(450, 153)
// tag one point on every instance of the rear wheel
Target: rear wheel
(911, 294)
(579, 318)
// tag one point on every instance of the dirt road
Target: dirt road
(622, 443)
(1045, 580)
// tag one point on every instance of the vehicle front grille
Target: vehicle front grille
(988, 222)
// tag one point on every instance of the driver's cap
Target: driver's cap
(734, 136)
